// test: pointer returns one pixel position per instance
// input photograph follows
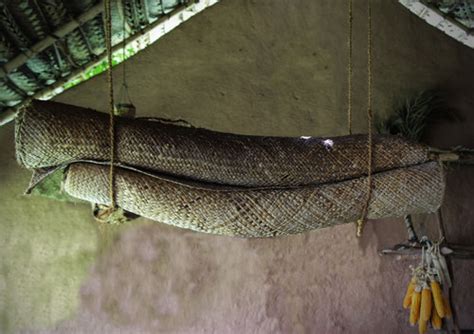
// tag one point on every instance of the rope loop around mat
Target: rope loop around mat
(110, 214)
(108, 41)
(361, 222)
(349, 69)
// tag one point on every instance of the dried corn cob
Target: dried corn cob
(436, 321)
(438, 298)
(410, 289)
(424, 293)
(415, 306)
(422, 326)
(426, 304)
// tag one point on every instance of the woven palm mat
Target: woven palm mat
(265, 212)
(50, 134)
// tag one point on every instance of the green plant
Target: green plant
(410, 119)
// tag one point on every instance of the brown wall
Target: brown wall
(254, 67)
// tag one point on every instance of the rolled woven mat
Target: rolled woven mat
(50, 134)
(265, 212)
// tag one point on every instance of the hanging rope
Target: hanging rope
(108, 42)
(124, 46)
(110, 214)
(124, 106)
(365, 209)
(349, 71)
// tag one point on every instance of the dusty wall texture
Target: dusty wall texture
(254, 67)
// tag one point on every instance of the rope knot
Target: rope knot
(109, 214)
(360, 227)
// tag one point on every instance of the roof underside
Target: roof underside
(453, 17)
(29, 63)
(50, 45)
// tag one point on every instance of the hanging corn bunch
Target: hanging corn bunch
(424, 295)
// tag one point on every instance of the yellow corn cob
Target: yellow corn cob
(436, 321)
(426, 304)
(447, 308)
(410, 289)
(415, 306)
(438, 298)
(422, 325)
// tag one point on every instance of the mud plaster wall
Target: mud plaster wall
(255, 67)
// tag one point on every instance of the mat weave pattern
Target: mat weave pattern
(50, 134)
(264, 212)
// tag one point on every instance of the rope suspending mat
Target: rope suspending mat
(363, 217)
(370, 149)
